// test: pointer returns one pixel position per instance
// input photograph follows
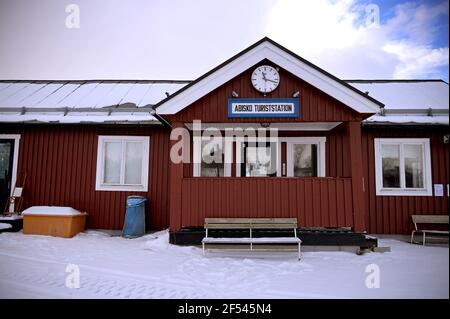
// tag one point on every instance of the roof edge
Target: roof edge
(393, 80)
(96, 80)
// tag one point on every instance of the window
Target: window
(305, 160)
(122, 163)
(259, 159)
(212, 157)
(403, 167)
(306, 156)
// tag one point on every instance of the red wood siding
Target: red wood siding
(61, 165)
(392, 214)
(315, 105)
(324, 202)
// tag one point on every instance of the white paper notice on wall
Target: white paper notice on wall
(17, 192)
(438, 190)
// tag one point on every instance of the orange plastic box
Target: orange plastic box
(53, 221)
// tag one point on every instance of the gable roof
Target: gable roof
(268, 49)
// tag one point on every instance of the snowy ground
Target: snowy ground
(149, 267)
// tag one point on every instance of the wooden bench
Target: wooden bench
(428, 219)
(252, 224)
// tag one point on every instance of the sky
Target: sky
(181, 40)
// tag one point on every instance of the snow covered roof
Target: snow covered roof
(96, 101)
(126, 101)
(408, 101)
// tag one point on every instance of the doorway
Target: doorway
(9, 145)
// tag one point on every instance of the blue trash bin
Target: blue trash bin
(134, 225)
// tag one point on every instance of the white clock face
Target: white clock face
(265, 78)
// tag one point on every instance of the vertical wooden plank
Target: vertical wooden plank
(340, 202)
(356, 160)
(332, 200)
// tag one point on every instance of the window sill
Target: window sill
(121, 188)
(404, 193)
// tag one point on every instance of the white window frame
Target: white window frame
(100, 186)
(240, 140)
(319, 141)
(403, 191)
(197, 159)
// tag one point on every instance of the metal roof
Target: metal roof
(82, 101)
(408, 101)
(130, 101)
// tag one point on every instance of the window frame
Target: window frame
(100, 185)
(321, 159)
(197, 160)
(239, 141)
(403, 190)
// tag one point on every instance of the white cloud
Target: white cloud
(334, 35)
(180, 39)
(417, 61)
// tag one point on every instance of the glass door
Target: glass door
(305, 156)
(304, 160)
(258, 159)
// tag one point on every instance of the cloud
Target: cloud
(336, 35)
(417, 61)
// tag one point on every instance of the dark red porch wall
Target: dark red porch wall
(392, 214)
(315, 105)
(61, 166)
(315, 202)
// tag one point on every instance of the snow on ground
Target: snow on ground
(149, 267)
(5, 226)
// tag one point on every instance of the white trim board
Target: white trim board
(303, 126)
(267, 50)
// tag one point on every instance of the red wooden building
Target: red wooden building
(358, 153)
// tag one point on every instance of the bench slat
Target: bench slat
(433, 231)
(430, 219)
(250, 220)
(252, 226)
(246, 240)
(250, 223)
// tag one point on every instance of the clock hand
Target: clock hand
(271, 80)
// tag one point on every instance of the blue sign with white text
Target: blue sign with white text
(260, 108)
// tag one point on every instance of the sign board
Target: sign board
(263, 108)
(438, 190)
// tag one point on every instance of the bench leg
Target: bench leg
(203, 248)
(423, 239)
(299, 251)
(412, 236)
